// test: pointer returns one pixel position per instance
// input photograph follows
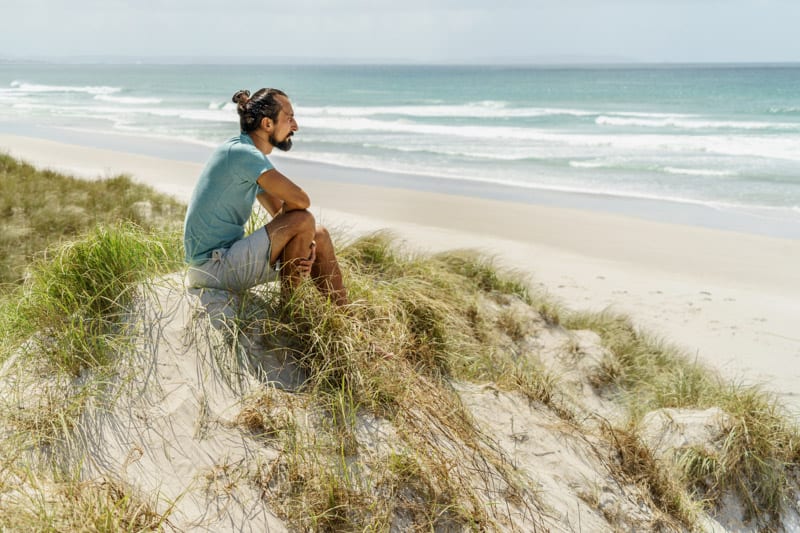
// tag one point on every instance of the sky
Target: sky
(426, 31)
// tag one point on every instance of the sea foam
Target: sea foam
(39, 88)
(131, 100)
(694, 124)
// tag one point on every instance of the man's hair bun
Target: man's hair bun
(241, 97)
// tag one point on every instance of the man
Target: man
(218, 253)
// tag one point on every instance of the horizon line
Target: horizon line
(286, 61)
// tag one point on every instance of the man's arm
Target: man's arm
(281, 193)
(272, 204)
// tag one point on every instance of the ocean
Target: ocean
(725, 138)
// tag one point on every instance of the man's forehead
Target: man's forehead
(286, 105)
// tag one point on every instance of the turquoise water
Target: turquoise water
(724, 137)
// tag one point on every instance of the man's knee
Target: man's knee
(322, 234)
(301, 221)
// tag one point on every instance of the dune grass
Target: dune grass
(759, 456)
(71, 253)
(101, 506)
(77, 293)
(64, 336)
(39, 208)
(415, 323)
(65, 316)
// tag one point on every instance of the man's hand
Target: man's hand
(304, 265)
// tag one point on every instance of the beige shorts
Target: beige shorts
(245, 264)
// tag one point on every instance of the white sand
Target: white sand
(732, 299)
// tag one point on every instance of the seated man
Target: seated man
(218, 253)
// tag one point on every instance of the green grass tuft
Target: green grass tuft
(39, 208)
(78, 292)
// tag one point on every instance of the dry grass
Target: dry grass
(637, 464)
(760, 454)
(79, 506)
(389, 356)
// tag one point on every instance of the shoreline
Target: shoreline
(696, 214)
(731, 299)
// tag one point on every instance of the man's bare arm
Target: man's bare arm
(272, 204)
(282, 189)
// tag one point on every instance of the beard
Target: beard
(284, 145)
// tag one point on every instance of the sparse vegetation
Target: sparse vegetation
(101, 506)
(758, 457)
(638, 463)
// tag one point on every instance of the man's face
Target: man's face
(284, 126)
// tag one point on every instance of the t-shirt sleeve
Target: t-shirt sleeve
(250, 164)
(266, 165)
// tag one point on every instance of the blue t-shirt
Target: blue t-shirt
(223, 198)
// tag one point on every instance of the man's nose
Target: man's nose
(294, 125)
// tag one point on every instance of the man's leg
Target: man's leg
(325, 271)
(290, 236)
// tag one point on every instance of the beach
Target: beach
(729, 298)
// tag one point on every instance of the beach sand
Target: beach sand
(730, 299)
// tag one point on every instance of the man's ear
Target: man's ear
(266, 123)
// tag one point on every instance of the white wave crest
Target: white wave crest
(784, 110)
(597, 163)
(483, 109)
(621, 162)
(38, 88)
(641, 114)
(505, 142)
(226, 106)
(699, 172)
(470, 110)
(115, 112)
(783, 147)
(605, 120)
(128, 100)
(468, 152)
